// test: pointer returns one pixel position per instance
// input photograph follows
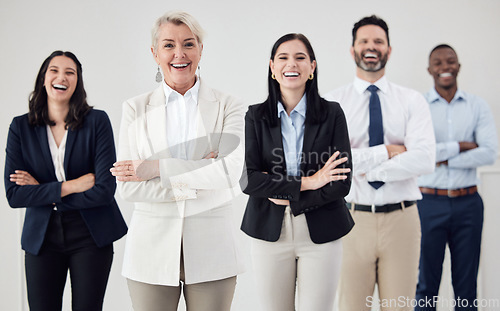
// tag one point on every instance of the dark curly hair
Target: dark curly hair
(78, 107)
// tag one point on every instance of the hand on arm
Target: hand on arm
(142, 170)
(136, 170)
(467, 145)
(23, 178)
(463, 146)
(394, 150)
(80, 184)
(325, 175)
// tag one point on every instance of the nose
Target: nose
(291, 63)
(179, 52)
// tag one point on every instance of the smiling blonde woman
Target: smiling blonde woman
(181, 156)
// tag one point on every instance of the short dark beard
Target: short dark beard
(378, 66)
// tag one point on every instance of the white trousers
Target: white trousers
(293, 273)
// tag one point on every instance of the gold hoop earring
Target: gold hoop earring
(273, 76)
(311, 76)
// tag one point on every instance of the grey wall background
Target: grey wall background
(112, 40)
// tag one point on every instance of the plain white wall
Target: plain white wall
(112, 40)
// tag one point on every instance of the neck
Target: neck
(370, 76)
(182, 88)
(58, 111)
(446, 93)
(291, 98)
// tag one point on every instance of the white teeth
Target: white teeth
(60, 86)
(445, 75)
(371, 55)
(179, 65)
(291, 74)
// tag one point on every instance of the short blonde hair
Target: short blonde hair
(177, 18)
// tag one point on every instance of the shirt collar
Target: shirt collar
(300, 108)
(361, 85)
(170, 93)
(434, 96)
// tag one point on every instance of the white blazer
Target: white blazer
(191, 202)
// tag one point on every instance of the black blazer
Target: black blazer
(325, 210)
(89, 149)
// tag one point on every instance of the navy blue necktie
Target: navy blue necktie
(375, 129)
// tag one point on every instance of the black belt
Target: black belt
(387, 208)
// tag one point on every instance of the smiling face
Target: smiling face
(444, 68)
(60, 80)
(371, 49)
(178, 55)
(292, 66)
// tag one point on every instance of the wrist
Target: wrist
(66, 188)
(305, 183)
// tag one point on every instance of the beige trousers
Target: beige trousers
(293, 273)
(382, 249)
(207, 296)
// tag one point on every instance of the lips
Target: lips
(291, 74)
(445, 75)
(180, 65)
(60, 87)
(370, 56)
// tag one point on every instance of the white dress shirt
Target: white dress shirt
(406, 121)
(57, 154)
(181, 113)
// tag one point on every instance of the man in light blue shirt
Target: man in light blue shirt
(451, 210)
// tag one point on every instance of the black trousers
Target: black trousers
(68, 245)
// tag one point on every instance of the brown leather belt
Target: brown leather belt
(449, 193)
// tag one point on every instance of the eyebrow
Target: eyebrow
(299, 53)
(54, 66)
(188, 39)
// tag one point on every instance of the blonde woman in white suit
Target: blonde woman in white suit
(180, 157)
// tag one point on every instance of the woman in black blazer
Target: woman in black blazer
(57, 164)
(298, 168)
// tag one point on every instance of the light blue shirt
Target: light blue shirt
(466, 118)
(292, 133)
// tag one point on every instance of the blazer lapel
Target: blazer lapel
(70, 141)
(41, 133)
(155, 124)
(275, 132)
(208, 109)
(207, 116)
(310, 132)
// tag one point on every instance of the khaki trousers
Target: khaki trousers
(382, 249)
(207, 296)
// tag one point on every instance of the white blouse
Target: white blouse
(57, 154)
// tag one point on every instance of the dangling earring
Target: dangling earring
(311, 76)
(158, 75)
(273, 76)
(199, 71)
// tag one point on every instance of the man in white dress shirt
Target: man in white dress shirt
(392, 142)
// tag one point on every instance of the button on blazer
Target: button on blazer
(325, 210)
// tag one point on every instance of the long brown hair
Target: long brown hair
(78, 107)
